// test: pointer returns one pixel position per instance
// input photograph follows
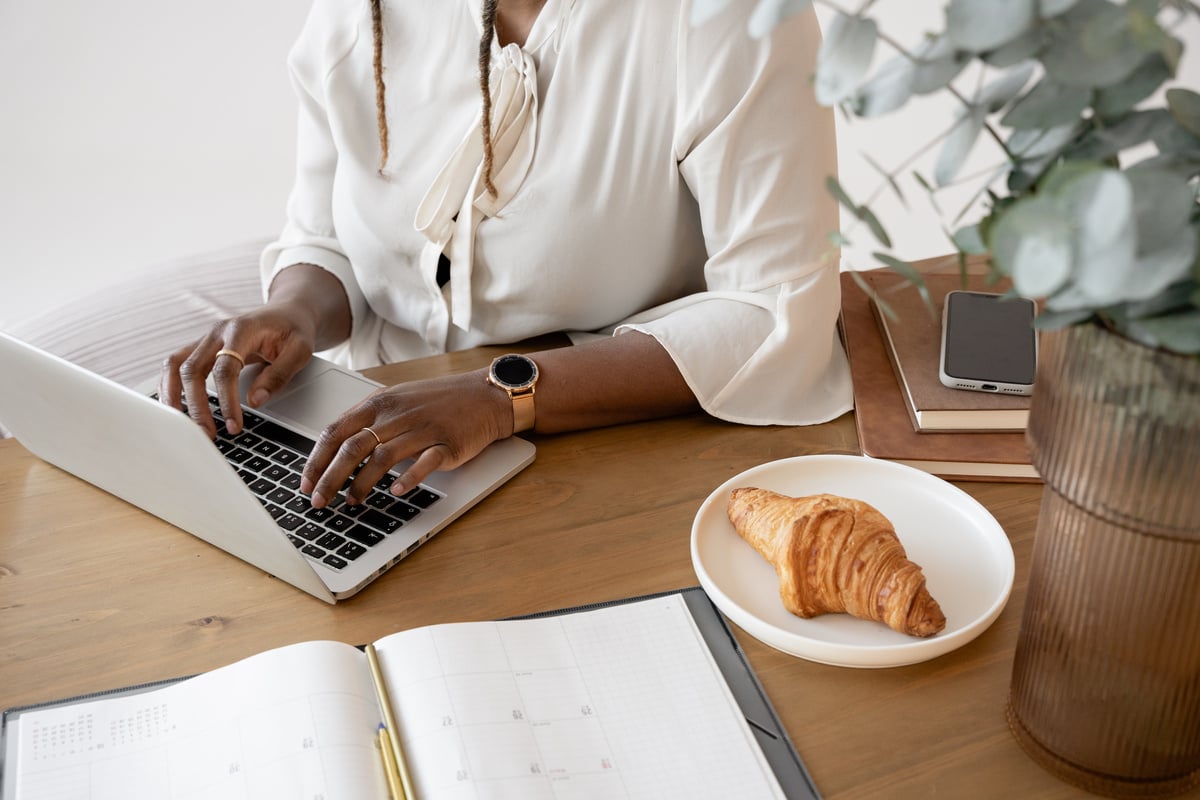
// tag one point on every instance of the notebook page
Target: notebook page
(619, 702)
(298, 722)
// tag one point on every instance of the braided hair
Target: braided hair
(485, 63)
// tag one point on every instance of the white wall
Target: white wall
(141, 131)
(135, 132)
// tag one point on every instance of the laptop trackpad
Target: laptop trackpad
(313, 401)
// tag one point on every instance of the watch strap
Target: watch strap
(523, 410)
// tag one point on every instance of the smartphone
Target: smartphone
(988, 343)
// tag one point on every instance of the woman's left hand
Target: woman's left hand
(440, 423)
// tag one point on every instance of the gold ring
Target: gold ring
(233, 353)
(378, 441)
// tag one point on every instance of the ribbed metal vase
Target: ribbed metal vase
(1106, 680)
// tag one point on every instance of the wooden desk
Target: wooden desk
(96, 594)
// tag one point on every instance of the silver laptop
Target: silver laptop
(236, 493)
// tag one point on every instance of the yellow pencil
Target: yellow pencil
(395, 789)
(392, 733)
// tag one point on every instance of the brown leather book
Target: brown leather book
(881, 416)
(913, 340)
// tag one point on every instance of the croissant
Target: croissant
(835, 554)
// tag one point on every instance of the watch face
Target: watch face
(515, 372)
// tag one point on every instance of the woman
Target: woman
(651, 186)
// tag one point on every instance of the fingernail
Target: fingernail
(258, 397)
(230, 427)
(317, 500)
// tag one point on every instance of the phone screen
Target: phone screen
(990, 339)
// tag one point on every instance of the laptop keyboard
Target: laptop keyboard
(271, 458)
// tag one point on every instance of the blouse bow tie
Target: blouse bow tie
(457, 201)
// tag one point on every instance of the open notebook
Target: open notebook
(238, 493)
(645, 698)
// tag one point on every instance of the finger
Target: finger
(340, 448)
(194, 373)
(170, 385)
(431, 460)
(227, 367)
(276, 374)
(385, 455)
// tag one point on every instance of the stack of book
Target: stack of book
(903, 413)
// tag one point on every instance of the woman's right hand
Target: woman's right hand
(280, 335)
(307, 311)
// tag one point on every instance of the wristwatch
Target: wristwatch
(517, 375)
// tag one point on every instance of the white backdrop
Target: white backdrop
(137, 132)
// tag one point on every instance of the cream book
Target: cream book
(638, 699)
(913, 341)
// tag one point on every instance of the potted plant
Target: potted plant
(1091, 209)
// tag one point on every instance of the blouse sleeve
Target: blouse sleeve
(308, 235)
(760, 345)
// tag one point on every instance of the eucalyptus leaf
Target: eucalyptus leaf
(908, 270)
(844, 57)
(1034, 144)
(1000, 91)
(1163, 203)
(889, 89)
(982, 25)
(1179, 332)
(873, 223)
(839, 193)
(1052, 8)
(1160, 268)
(937, 63)
(769, 13)
(704, 10)
(1128, 132)
(1032, 243)
(1111, 101)
(1064, 173)
(1090, 48)
(1101, 207)
(1053, 320)
(958, 145)
(1184, 105)
(1047, 105)
(969, 240)
(1176, 297)
(1147, 34)
(1024, 47)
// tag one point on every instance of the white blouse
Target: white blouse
(651, 175)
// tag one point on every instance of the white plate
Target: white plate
(963, 551)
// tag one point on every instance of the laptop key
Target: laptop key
(261, 486)
(364, 535)
(309, 531)
(339, 523)
(285, 456)
(379, 521)
(256, 463)
(277, 433)
(351, 550)
(330, 541)
(421, 497)
(313, 550)
(280, 495)
(289, 522)
(274, 472)
(334, 561)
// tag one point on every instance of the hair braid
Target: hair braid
(380, 93)
(485, 66)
